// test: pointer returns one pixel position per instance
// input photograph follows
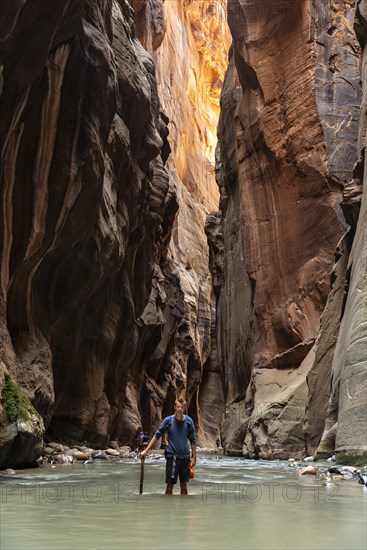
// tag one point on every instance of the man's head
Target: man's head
(180, 407)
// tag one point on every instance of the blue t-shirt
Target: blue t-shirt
(179, 432)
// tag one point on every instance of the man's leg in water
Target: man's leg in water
(183, 488)
(169, 488)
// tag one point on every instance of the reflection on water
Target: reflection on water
(233, 504)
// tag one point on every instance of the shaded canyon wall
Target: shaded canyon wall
(106, 299)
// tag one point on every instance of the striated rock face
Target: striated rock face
(188, 42)
(184, 361)
(150, 22)
(106, 300)
(87, 210)
(346, 422)
(287, 149)
(319, 376)
(190, 66)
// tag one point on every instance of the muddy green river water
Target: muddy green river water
(233, 504)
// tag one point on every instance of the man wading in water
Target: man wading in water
(180, 429)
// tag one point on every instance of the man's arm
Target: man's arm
(158, 434)
(192, 439)
(193, 452)
(151, 443)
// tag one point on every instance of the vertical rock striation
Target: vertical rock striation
(87, 207)
(287, 151)
(190, 64)
(346, 422)
(106, 299)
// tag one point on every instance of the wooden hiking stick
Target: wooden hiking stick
(141, 476)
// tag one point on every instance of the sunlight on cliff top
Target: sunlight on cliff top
(191, 64)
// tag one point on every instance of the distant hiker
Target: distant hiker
(145, 439)
(181, 429)
(140, 442)
(217, 442)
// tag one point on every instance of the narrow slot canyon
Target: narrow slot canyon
(183, 212)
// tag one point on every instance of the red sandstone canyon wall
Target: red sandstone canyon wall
(289, 180)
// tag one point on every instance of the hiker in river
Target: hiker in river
(139, 442)
(181, 429)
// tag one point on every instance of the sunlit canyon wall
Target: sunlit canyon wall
(190, 64)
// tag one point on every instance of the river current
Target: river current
(233, 504)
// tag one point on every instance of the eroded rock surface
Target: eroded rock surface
(346, 423)
(191, 63)
(106, 299)
(190, 66)
(288, 147)
(87, 206)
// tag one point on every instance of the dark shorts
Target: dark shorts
(179, 467)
